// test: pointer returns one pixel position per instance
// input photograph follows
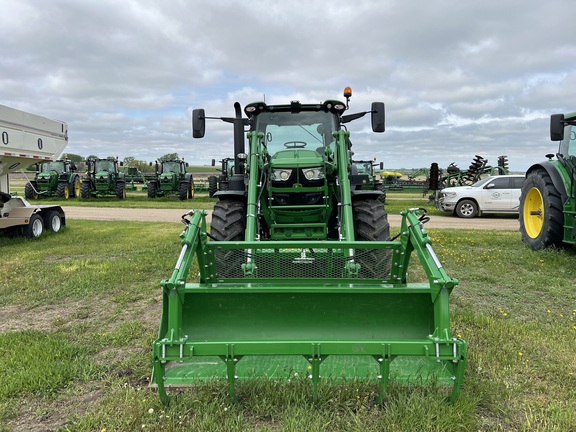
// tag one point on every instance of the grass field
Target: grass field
(79, 311)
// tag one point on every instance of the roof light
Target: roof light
(347, 92)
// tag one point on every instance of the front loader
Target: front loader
(298, 273)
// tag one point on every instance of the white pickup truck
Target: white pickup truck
(495, 194)
(26, 139)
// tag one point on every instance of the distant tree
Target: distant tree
(91, 157)
(73, 157)
(168, 157)
(128, 160)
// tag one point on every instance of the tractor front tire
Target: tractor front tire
(541, 216)
(212, 186)
(151, 190)
(75, 185)
(30, 191)
(371, 224)
(183, 192)
(228, 224)
(120, 190)
(63, 190)
(85, 189)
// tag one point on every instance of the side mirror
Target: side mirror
(378, 117)
(198, 123)
(489, 186)
(557, 127)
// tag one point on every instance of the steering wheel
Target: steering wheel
(295, 144)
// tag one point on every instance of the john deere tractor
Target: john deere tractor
(298, 272)
(221, 182)
(172, 179)
(547, 202)
(103, 178)
(54, 178)
(363, 177)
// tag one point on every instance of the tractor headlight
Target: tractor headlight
(313, 173)
(281, 174)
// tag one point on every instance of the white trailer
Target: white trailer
(26, 139)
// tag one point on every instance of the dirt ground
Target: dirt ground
(174, 215)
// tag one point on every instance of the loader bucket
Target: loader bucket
(326, 309)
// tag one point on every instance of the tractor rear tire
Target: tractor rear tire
(212, 186)
(63, 190)
(541, 216)
(53, 221)
(191, 189)
(371, 224)
(85, 189)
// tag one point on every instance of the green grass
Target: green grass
(79, 311)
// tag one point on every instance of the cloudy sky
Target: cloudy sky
(459, 78)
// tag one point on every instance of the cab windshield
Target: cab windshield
(306, 129)
(53, 166)
(104, 165)
(171, 167)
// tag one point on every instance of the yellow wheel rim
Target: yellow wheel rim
(77, 189)
(533, 213)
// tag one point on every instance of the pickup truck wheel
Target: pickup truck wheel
(466, 209)
(53, 221)
(35, 227)
(541, 216)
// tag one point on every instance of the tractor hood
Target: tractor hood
(47, 175)
(296, 158)
(102, 175)
(167, 176)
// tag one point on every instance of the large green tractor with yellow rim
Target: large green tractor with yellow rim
(547, 207)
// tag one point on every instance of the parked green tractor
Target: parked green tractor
(58, 178)
(363, 177)
(220, 183)
(547, 203)
(103, 178)
(297, 274)
(171, 179)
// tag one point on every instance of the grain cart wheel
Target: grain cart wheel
(212, 186)
(30, 191)
(371, 224)
(35, 227)
(85, 189)
(76, 187)
(121, 190)
(541, 216)
(228, 224)
(151, 190)
(466, 209)
(53, 221)
(63, 190)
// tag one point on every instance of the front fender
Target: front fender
(555, 170)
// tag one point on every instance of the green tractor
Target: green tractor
(58, 178)
(171, 179)
(298, 273)
(547, 203)
(363, 177)
(221, 182)
(103, 178)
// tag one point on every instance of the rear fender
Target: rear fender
(555, 175)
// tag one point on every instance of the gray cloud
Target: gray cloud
(458, 78)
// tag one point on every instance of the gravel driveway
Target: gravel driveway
(174, 215)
